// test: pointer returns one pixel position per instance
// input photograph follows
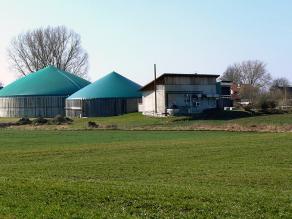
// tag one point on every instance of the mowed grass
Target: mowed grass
(145, 174)
(136, 121)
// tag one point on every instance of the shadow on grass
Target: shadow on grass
(223, 115)
(215, 114)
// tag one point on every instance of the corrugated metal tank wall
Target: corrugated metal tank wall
(32, 106)
(100, 107)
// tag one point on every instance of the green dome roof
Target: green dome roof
(112, 85)
(49, 81)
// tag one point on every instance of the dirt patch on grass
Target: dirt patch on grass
(199, 127)
(227, 127)
(241, 128)
(6, 124)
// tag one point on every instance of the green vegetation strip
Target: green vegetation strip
(229, 121)
(147, 174)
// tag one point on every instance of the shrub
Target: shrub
(24, 121)
(247, 107)
(39, 121)
(91, 124)
(267, 104)
(267, 101)
(274, 111)
(59, 119)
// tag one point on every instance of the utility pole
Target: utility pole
(155, 93)
(285, 87)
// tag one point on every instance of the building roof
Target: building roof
(288, 88)
(113, 85)
(161, 77)
(49, 81)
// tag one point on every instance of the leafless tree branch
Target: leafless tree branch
(41, 47)
(251, 72)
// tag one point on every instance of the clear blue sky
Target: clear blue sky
(187, 36)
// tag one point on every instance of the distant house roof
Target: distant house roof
(288, 88)
(49, 81)
(113, 85)
(160, 79)
(226, 81)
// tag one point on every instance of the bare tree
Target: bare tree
(280, 82)
(41, 47)
(1, 84)
(232, 73)
(252, 72)
(255, 74)
(279, 89)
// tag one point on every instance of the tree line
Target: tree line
(257, 85)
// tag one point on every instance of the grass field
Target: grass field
(136, 121)
(148, 174)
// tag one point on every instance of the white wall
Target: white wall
(181, 85)
(148, 100)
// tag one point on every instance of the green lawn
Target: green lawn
(148, 174)
(136, 121)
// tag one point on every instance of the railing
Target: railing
(225, 96)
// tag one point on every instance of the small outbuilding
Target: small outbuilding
(39, 94)
(109, 96)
